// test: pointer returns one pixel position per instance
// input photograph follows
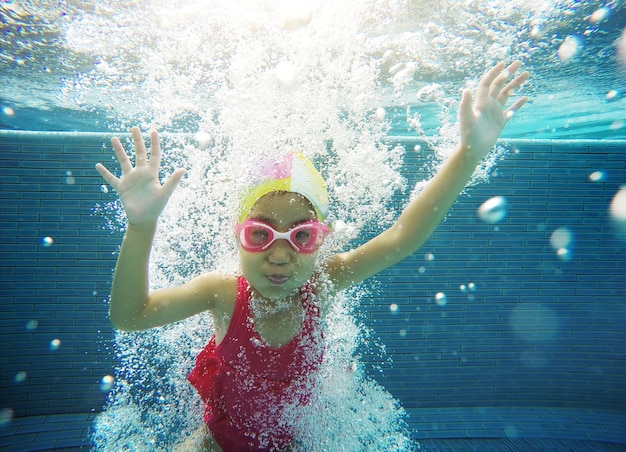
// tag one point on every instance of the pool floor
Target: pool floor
(474, 445)
(496, 445)
(452, 429)
(517, 444)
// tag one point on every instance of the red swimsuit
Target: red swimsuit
(248, 386)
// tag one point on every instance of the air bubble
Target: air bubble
(394, 308)
(417, 148)
(286, 74)
(8, 111)
(569, 48)
(70, 180)
(20, 377)
(537, 33)
(564, 254)
(294, 15)
(600, 15)
(381, 113)
(441, 299)
(560, 238)
(597, 176)
(47, 241)
(614, 94)
(203, 139)
(6, 416)
(493, 210)
(32, 325)
(55, 344)
(618, 205)
(104, 188)
(430, 93)
(106, 384)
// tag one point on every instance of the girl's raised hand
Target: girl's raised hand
(140, 191)
(483, 120)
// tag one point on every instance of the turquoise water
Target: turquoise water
(87, 67)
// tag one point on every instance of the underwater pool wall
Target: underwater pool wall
(529, 340)
(535, 305)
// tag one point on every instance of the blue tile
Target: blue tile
(514, 264)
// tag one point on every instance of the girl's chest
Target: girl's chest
(279, 330)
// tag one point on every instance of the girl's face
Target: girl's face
(279, 270)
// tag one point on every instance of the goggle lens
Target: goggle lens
(304, 238)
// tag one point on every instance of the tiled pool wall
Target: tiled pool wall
(524, 323)
(526, 334)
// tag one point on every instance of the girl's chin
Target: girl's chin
(277, 291)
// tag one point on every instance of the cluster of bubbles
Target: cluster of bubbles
(573, 44)
(441, 298)
(469, 290)
(170, 75)
(279, 90)
(495, 209)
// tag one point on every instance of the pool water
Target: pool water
(508, 322)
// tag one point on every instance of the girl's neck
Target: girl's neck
(262, 307)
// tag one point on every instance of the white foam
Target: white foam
(244, 78)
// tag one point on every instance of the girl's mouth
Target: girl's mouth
(278, 279)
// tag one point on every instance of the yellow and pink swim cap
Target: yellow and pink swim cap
(291, 172)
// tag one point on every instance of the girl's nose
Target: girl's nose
(280, 253)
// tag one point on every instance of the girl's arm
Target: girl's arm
(133, 305)
(481, 125)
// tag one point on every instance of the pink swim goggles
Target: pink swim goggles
(257, 236)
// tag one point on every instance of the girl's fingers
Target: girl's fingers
(510, 112)
(466, 112)
(170, 184)
(121, 155)
(141, 154)
(107, 176)
(508, 90)
(492, 82)
(496, 86)
(155, 150)
(485, 83)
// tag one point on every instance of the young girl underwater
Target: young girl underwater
(258, 366)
